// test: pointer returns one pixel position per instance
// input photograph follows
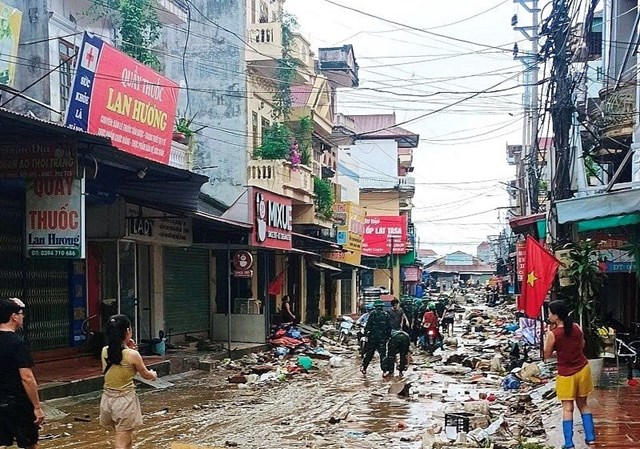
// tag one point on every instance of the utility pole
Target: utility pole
(561, 112)
(531, 103)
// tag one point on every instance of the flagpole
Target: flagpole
(542, 332)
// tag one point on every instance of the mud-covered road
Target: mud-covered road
(205, 409)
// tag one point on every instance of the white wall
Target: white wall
(378, 160)
(348, 176)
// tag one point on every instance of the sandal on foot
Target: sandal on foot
(567, 447)
(363, 370)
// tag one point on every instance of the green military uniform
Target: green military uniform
(398, 344)
(378, 331)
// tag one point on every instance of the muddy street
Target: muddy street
(335, 406)
(206, 409)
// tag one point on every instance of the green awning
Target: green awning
(608, 222)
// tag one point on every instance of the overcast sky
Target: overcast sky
(461, 160)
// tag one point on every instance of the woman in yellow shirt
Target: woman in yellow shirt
(119, 406)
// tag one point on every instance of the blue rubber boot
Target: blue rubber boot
(567, 430)
(589, 428)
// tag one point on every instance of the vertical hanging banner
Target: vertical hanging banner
(54, 218)
(10, 21)
(115, 96)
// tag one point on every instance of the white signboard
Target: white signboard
(154, 226)
(55, 218)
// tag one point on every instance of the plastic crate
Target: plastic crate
(459, 421)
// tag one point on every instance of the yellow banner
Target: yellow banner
(351, 225)
(350, 257)
(10, 20)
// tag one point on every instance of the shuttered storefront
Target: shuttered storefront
(186, 290)
(43, 284)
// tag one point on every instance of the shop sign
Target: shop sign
(38, 160)
(272, 220)
(520, 258)
(242, 264)
(349, 257)
(615, 261)
(350, 219)
(54, 218)
(10, 20)
(411, 274)
(563, 270)
(385, 234)
(154, 226)
(115, 96)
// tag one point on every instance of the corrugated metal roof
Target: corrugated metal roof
(382, 126)
(300, 95)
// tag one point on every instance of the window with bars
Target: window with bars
(67, 52)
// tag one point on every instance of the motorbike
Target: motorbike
(431, 340)
(346, 326)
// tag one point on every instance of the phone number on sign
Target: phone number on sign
(54, 253)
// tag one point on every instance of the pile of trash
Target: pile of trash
(494, 388)
(295, 350)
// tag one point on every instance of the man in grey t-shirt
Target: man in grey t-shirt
(397, 316)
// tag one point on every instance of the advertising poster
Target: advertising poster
(54, 218)
(385, 234)
(115, 96)
(10, 21)
(271, 215)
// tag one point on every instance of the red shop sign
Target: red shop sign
(384, 234)
(271, 216)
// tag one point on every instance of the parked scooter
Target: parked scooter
(346, 326)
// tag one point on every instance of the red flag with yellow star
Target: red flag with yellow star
(539, 271)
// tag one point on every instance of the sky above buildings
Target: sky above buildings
(448, 69)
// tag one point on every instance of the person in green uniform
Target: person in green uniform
(398, 345)
(378, 331)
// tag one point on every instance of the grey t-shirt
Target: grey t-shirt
(396, 318)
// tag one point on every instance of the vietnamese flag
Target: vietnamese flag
(539, 271)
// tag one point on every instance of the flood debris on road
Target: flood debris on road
(485, 387)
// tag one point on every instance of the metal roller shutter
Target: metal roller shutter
(186, 290)
(43, 284)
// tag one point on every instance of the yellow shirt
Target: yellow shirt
(119, 377)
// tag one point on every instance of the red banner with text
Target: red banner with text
(384, 234)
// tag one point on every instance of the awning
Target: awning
(300, 251)
(325, 266)
(598, 206)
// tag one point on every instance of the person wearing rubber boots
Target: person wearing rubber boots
(573, 382)
(377, 331)
(398, 345)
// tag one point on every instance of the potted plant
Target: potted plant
(183, 130)
(587, 280)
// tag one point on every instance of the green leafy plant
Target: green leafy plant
(275, 143)
(587, 281)
(184, 125)
(590, 166)
(324, 197)
(303, 132)
(285, 69)
(137, 24)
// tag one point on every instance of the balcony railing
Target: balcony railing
(618, 111)
(180, 156)
(406, 183)
(280, 177)
(265, 42)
